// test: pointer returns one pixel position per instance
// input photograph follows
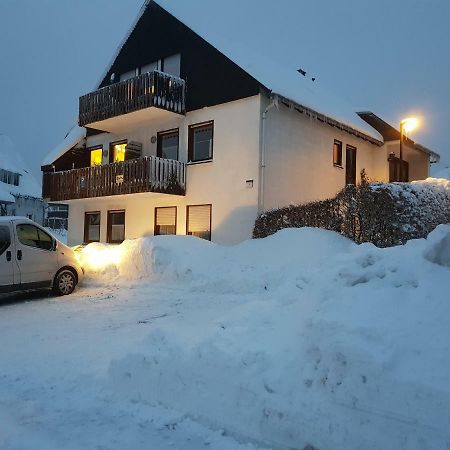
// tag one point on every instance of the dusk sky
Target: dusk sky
(388, 56)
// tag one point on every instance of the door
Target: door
(36, 258)
(350, 165)
(6, 260)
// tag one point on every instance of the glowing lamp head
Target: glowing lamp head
(409, 124)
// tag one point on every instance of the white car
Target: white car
(30, 258)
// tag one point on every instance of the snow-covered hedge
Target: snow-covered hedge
(385, 214)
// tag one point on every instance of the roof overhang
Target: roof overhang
(328, 120)
(390, 133)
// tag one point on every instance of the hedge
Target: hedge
(385, 214)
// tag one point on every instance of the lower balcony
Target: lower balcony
(148, 174)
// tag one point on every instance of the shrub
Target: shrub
(385, 214)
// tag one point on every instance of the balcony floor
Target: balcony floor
(136, 119)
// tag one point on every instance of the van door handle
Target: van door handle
(8, 256)
(19, 254)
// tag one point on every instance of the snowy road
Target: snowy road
(300, 339)
(53, 363)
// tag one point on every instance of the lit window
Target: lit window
(166, 220)
(118, 152)
(199, 221)
(337, 153)
(96, 157)
(201, 142)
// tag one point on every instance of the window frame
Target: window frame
(210, 219)
(191, 133)
(90, 150)
(86, 234)
(39, 231)
(111, 150)
(159, 137)
(8, 241)
(155, 224)
(336, 160)
(109, 225)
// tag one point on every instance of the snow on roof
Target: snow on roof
(11, 160)
(284, 81)
(73, 137)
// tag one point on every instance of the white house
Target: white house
(187, 134)
(20, 193)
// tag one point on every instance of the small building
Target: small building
(20, 193)
(187, 133)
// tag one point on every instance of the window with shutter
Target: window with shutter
(165, 220)
(198, 218)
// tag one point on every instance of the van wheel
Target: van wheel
(65, 282)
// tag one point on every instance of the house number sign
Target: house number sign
(119, 179)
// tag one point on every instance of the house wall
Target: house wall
(299, 159)
(419, 162)
(27, 207)
(221, 182)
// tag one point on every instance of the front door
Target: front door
(36, 258)
(350, 165)
(6, 260)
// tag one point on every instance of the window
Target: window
(151, 67)
(116, 227)
(171, 65)
(398, 170)
(8, 177)
(91, 227)
(337, 153)
(5, 239)
(33, 236)
(96, 156)
(128, 75)
(198, 221)
(168, 144)
(117, 151)
(201, 142)
(165, 220)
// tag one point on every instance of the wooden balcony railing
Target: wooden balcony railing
(156, 89)
(149, 174)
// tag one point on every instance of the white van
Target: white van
(30, 258)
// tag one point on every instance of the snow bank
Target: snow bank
(302, 338)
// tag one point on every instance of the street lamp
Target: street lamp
(406, 125)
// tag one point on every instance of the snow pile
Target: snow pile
(10, 160)
(302, 338)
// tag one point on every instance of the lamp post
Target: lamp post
(406, 125)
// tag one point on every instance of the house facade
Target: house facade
(192, 136)
(20, 194)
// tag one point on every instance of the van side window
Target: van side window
(5, 239)
(34, 237)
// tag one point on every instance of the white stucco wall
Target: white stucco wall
(299, 159)
(221, 182)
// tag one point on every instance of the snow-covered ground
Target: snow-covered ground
(302, 338)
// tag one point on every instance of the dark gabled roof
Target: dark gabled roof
(272, 76)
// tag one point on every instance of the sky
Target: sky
(388, 56)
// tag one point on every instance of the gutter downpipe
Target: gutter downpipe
(262, 152)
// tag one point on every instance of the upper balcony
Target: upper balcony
(131, 103)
